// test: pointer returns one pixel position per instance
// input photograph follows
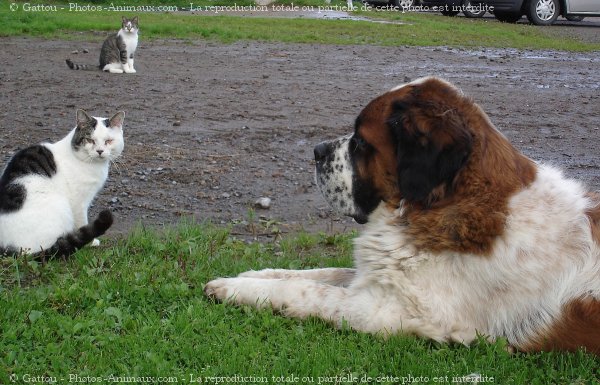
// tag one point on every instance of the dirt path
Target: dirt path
(210, 128)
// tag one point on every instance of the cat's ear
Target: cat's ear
(134, 20)
(117, 120)
(82, 118)
(123, 19)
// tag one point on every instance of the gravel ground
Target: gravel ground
(210, 128)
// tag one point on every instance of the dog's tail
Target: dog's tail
(85, 67)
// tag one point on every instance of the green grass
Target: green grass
(418, 30)
(135, 307)
(480, 32)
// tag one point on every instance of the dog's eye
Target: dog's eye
(358, 143)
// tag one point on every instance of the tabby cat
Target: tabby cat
(117, 51)
(46, 189)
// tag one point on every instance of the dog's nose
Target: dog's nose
(321, 150)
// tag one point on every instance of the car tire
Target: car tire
(507, 17)
(574, 17)
(471, 13)
(403, 4)
(542, 12)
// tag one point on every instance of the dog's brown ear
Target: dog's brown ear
(432, 144)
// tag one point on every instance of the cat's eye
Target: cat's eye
(109, 141)
(90, 141)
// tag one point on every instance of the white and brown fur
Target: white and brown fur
(464, 234)
(117, 51)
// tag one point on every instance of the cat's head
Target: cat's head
(129, 25)
(98, 139)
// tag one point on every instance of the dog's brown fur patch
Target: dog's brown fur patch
(577, 328)
(470, 213)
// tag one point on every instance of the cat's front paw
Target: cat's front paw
(130, 71)
(95, 242)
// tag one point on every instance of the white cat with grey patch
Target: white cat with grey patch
(117, 51)
(46, 189)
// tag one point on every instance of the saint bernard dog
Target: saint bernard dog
(464, 235)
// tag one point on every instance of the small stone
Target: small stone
(177, 123)
(85, 50)
(74, 52)
(225, 195)
(263, 203)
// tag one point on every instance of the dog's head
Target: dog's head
(409, 143)
(419, 143)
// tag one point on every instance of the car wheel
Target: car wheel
(574, 18)
(543, 12)
(507, 17)
(471, 11)
(403, 4)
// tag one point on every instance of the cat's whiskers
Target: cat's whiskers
(115, 165)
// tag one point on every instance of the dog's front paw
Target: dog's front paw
(221, 289)
(241, 291)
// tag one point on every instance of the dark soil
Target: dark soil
(210, 128)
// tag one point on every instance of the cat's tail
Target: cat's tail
(85, 67)
(70, 243)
